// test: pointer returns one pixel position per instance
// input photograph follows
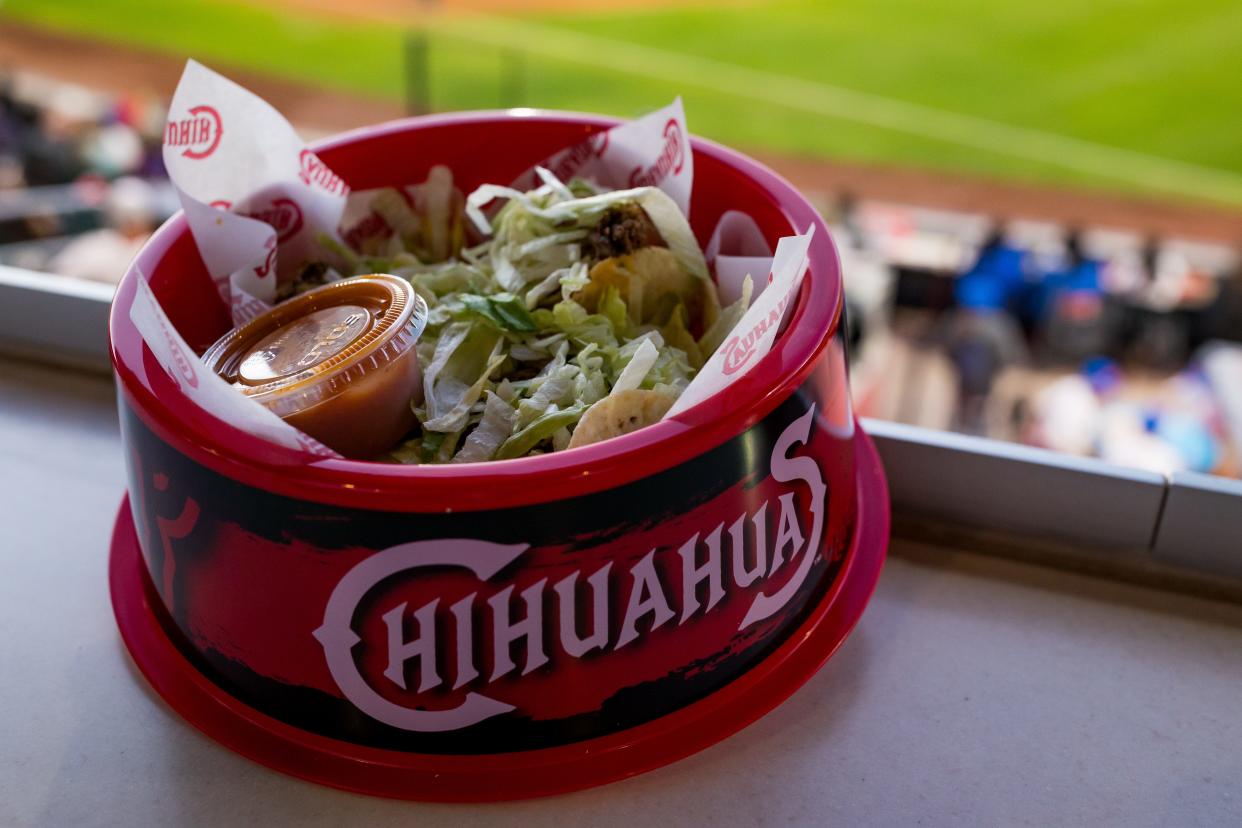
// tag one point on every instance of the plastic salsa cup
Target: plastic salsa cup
(337, 362)
(506, 629)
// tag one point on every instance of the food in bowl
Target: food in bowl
(767, 502)
(576, 314)
(337, 362)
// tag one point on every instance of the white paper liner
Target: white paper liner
(254, 195)
(737, 249)
(754, 335)
(203, 386)
(651, 151)
(255, 198)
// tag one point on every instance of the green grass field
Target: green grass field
(1140, 95)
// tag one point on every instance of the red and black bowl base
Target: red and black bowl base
(517, 774)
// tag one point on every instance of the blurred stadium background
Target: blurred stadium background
(1039, 203)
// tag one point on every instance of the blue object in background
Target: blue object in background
(1079, 276)
(1103, 374)
(978, 291)
(995, 280)
(1191, 439)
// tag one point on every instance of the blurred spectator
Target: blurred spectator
(1071, 315)
(1065, 416)
(51, 147)
(982, 338)
(12, 175)
(1222, 317)
(104, 254)
(844, 214)
(112, 150)
(61, 147)
(999, 260)
(981, 335)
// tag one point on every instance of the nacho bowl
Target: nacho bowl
(504, 629)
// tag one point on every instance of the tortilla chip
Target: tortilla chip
(620, 413)
(674, 329)
(651, 280)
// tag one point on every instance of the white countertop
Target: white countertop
(975, 691)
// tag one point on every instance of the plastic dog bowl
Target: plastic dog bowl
(507, 629)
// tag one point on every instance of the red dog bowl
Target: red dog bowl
(507, 629)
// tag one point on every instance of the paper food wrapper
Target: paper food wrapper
(256, 198)
(651, 151)
(754, 335)
(654, 151)
(737, 249)
(254, 195)
(205, 387)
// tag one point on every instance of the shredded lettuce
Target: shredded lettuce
(552, 390)
(540, 429)
(504, 310)
(466, 355)
(529, 324)
(346, 259)
(583, 328)
(636, 369)
(492, 431)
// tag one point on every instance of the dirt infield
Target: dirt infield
(128, 70)
(1006, 200)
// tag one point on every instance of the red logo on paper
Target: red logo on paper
(199, 134)
(269, 263)
(185, 368)
(737, 353)
(672, 159)
(315, 173)
(739, 349)
(283, 214)
(463, 644)
(372, 226)
(577, 156)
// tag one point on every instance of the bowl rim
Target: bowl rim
(506, 483)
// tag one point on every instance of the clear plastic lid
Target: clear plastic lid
(315, 346)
